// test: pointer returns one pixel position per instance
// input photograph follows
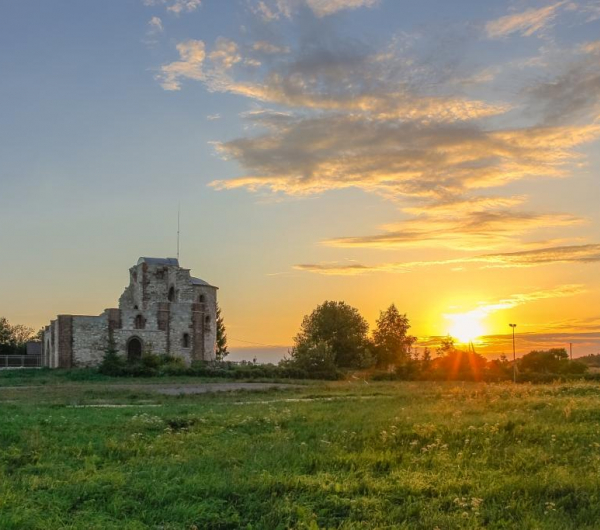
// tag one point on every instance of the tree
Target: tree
(446, 346)
(459, 365)
(340, 327)
(553, 361)
(313, 358)
(222, 350)
(22, 334)
(13, 339)
(112, 363)
(6, 342)
(391, 339)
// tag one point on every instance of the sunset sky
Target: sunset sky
(442, 155)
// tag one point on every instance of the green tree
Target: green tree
(340, 327)
(112, 363)
(391, 339)
(222, 350)
(313, 358)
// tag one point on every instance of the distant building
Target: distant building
(164, 310)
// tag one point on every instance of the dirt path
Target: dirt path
(167, 389)
(176, 390)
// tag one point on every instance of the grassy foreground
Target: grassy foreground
(336, 455)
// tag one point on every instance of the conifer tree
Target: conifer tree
(222, 350)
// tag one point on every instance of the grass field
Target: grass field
(324, 455)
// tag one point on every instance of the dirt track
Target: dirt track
(168, 389)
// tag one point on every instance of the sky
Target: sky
(440, 155)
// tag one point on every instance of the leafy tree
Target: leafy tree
(22, 334)
(553, 361)
(340, 327)
(6, 339)
(222, 350)
(391, 339)
(13, 339)
(313, 358)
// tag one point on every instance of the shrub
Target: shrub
(112, 363)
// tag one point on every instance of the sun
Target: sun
(466, 327)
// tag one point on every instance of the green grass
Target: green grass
(326, 455)
(49, 377)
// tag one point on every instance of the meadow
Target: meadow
(347, 454)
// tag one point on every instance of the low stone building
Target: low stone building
(164, 310)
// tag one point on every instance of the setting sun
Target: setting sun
(466, 327)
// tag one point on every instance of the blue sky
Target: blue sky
(439, 155)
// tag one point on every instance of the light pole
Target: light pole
(513, 326)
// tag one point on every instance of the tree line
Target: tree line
(335, 338)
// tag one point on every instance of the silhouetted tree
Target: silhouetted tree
(13, 339)
(446, 346)
(459, 365)
(391, 339)
(553, 361)
(221, 351)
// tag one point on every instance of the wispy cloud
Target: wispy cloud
(176, 6)
(269, 48)
(398, 159)
(155, 26)
(485, 309)
(525, 23)
(574, 93)
(393, 122)
(474, 231)
(527, 258)
(192, 54)
(270, 10)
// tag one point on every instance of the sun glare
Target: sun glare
(466, 327)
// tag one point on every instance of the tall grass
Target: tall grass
(338, 455)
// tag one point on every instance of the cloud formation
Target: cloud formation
(155, 25)
(192, 54)
(469, 231)
(526, 23)
(270, 10)
(574, 93)
(487, 308)
(527, 258)
(398, 158)
(397, 121)
(176, 6)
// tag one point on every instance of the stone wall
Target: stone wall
(90, 339)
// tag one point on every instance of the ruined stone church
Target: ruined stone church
(164, 310)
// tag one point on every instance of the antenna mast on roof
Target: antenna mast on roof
(178, 226)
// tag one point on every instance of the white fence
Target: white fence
(20, 361)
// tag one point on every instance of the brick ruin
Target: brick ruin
(164, 310)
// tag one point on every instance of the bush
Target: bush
(112, 363)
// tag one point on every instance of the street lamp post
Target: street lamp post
(513, 326)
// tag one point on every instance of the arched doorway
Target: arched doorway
(134, 349)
